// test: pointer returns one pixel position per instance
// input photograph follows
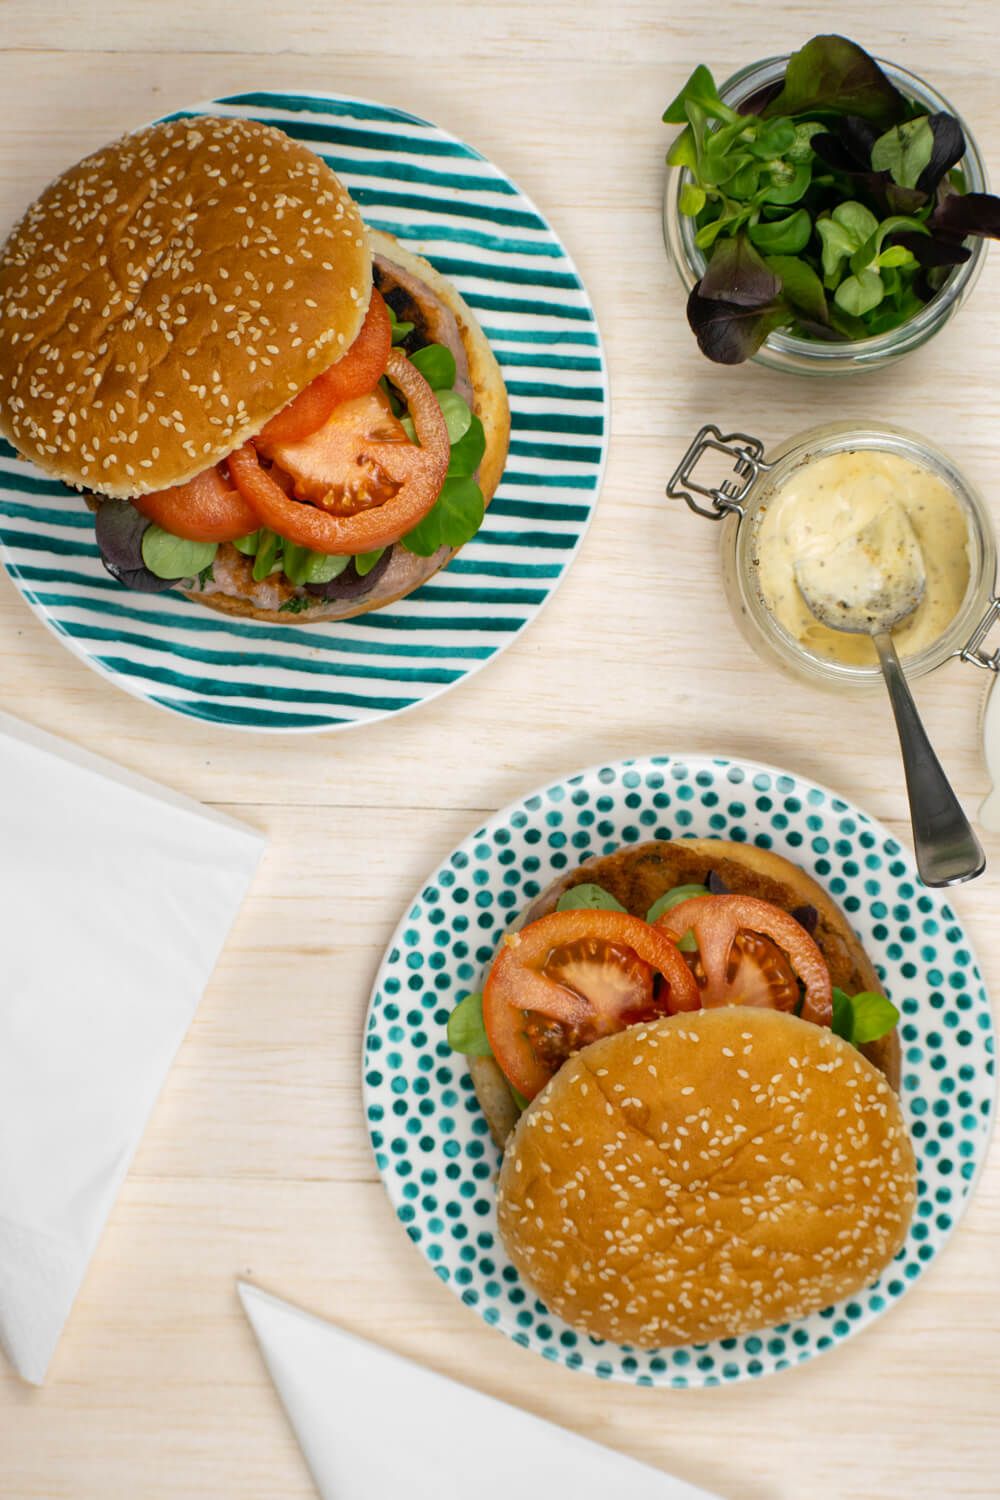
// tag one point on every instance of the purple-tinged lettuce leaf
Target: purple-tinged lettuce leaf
(934, 250)
(832, 73)
(738, 275)
(843, 150)
(847, 144)
(727, 333)
(904, 200)
(967, 213)
(949, 148)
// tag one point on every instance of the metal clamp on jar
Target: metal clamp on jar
(773, 509)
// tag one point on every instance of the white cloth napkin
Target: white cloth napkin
(116, 896)
(372, 1424)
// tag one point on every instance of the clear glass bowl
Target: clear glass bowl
(782, 351)
(739, 546)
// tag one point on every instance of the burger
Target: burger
(686, 1057)
(267, 405)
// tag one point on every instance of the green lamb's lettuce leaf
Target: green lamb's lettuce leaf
(905, 151)
(436, 364)
(588, 898)
(786, 183)
(782, 236)
(701, 91)
(860, 293)
(456, 413)
(295, 563)
(323, 567)
(686, 943)
(692, 199)
(467, 454)
(268, 549)
(801, 286)
(673, 898)
(456, 515)
(864, 1017)
(365, 561)
(400, 331)
(170, 556)
(870, 253)
(466, 1031)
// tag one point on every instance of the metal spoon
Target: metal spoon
(867, 585)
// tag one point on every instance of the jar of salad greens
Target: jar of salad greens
(826, 212)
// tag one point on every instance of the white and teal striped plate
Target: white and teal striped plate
(445, 201)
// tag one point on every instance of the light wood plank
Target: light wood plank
(256, 1160)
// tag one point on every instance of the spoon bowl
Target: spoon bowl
(871, 581)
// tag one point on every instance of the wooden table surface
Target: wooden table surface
(256, 1161)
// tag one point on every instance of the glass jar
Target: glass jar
(740, 503)
(782, 351)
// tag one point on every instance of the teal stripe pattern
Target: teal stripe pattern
(447, 202)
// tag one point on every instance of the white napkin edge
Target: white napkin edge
(575, 1441)
(99, 765)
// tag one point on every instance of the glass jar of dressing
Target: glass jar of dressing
(808, 499)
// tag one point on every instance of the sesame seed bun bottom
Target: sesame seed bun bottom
(706, 1175)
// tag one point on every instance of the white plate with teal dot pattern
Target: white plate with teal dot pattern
(431, 1141)
(444, 200)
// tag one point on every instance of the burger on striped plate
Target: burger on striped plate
(269, 406)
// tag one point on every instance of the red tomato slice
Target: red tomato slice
(206, 509)
(330, 468)
(751, 952)
(571, 977)
(376, 486)
(353, 374)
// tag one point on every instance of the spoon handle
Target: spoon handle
(946, 847)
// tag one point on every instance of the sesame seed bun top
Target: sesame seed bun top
(706, 1175)
(165, 297)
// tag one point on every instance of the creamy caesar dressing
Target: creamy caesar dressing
(818, 513)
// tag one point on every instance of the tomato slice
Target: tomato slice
(751, 952)
(571, 977)
(353, 374)
(401, 479)
(330, 468)
(206, 509)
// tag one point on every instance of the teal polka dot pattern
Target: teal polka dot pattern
(432, 1144)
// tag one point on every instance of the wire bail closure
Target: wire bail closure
(727, 498)
(971, 651)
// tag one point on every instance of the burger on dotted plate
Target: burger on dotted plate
(269, 406)
(685, 1054)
